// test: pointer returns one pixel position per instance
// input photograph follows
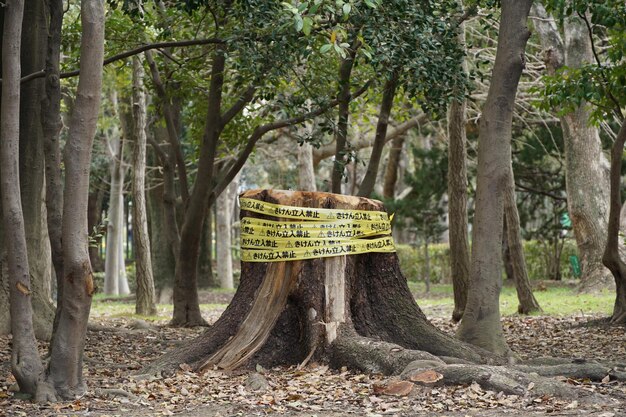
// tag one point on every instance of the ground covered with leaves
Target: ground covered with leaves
(117, 347)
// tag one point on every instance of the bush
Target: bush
(538, 257)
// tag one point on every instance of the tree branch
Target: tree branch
(243, 100)
(127, 54)
(260, 131)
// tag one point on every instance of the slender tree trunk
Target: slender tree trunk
(94, 219)
(389, 92)
(612, 257)
(146, 300)
(393, 164)
(114, 264)
(457, 199)
(186, 308)
(51, 125)
(306, 171)
(205, 261)
(427, 277)
(68, 341)
(26, 364)
(32, 181)
(527, 301)
(481, 320)
(224, 237)
(341, 134)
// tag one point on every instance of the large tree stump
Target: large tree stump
(295, 311)
(354, 311)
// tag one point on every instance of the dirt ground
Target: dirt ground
(118, 347)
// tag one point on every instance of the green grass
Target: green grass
(555, 301)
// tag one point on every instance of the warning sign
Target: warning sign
(311, 232)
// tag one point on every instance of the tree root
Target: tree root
(368, 355)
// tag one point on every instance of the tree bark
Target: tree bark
(223, 236)
(94, 223)
(341, 134)
(481, 320)
(306, 171)
(205, 260)
(586, 174)
(146, 300)
(527, 301)
(26, 365)
(393, 164)
(186, 308)
(275, 314)
(612, 257)
(114, 267)
(32, 181)
(389, 92)
(68, 340)
(457, 199)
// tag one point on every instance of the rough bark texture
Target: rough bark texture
(393, 164)
(481, 320)
(26, 364)
(527, 301)
(32, 169)
(586, 176)
(283, 321)
(51, 125)
(306, 171)
(114, 267)
(223, 236)
(389, 92)
(341, 134)
(146, 300)
(457, 200)
(612, 258)
(68, 340)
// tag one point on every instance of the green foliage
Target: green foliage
(602, 82)
(538, 261)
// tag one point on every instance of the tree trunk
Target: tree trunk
(51, 126)
(457, 199)
(389, 92)
(32, 179)
(612, 257)
(68, 340)
(275, 314)
(26, 365)
(341, 133)
(146, 299)
(586, 174)
(527, 301)
(427, 277)
(205, 260)
(393, 164)
(114, 264)
(186, 308)
(481, 320)
(306, 171)
(223, 236)
(94, 224)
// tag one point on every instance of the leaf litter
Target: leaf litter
(113, 357)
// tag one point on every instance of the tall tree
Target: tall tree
(26, 365)
(146, 301)
(457, 197)
(65, 369)
(586, 165)
(481, 320)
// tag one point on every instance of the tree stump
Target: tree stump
(346, 310)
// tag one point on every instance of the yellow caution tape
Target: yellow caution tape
(310, 213)
(320, 233)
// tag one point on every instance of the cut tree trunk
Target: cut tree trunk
(355, 311)
(292, 312)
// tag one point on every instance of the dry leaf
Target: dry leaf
(399, 388)
(428, 377)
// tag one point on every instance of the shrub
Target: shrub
(538, 259)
